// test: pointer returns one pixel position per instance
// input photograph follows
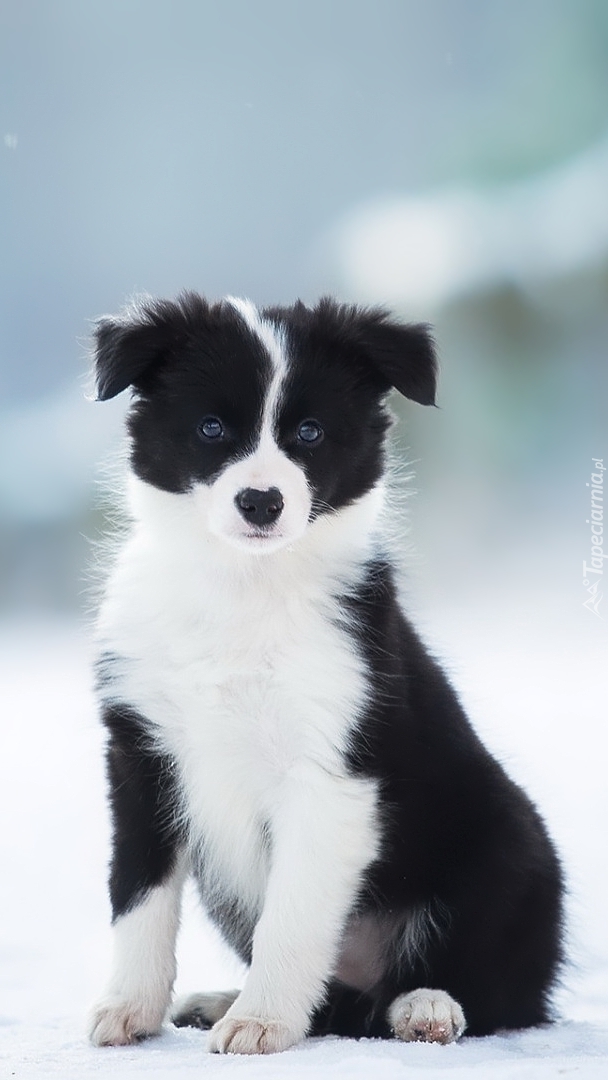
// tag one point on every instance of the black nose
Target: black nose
(260, 507)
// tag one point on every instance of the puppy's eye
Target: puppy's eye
(210, 428)
(310, 432)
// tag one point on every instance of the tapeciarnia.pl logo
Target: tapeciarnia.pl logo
(594, 570)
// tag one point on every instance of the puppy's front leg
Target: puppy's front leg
(324, 835)
(143, 968)
(147, 874)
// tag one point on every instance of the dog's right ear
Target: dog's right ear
(126, 347)
(130, 346)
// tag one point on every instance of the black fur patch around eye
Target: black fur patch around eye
(187, 360)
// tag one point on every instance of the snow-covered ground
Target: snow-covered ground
(536, 689)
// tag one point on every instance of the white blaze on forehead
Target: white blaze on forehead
(273, 339)
(267, 466)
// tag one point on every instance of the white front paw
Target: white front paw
(122, 1023)
(426, 1016)
(251, 1035)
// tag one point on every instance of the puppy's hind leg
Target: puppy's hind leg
(426, 1016)
(202, 1010)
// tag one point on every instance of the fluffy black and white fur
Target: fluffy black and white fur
(275, 726)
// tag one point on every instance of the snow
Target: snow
(577, 1049)
(545, 723)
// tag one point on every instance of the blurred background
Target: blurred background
(446, 158)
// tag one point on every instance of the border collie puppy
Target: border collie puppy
(275, 726)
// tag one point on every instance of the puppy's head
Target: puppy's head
(266, 419)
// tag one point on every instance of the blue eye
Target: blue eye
(310, 432)
(210, 428)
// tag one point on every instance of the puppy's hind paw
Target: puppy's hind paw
(202, 1010)
(426, 1016)
(250, 1035)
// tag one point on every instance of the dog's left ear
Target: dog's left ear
(402, 354)
(399, 355)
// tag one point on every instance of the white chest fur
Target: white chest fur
(245, 671)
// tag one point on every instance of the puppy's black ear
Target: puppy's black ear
(395, 354)
(128, 347)
(403, 354)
